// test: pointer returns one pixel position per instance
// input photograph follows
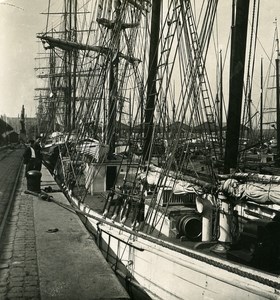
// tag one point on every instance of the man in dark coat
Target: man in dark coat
(32, 157)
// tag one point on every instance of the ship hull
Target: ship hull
(157, 269)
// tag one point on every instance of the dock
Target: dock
(47, 252)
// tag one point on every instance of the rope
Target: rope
(207, 259)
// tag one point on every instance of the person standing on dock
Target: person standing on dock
(32, 157)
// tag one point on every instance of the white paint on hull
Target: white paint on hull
(166, 272)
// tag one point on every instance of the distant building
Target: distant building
(7, 133)
(30, 126)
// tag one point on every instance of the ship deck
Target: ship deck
(96, 201)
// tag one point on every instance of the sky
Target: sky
(20, 20)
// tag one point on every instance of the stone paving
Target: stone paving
(18, 262)
(34, 264)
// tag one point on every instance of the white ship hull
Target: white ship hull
(167, 271)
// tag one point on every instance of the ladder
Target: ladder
(198, 67)
(172, 29)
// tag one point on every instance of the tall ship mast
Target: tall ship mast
(138, 141)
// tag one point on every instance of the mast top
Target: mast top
(276, 38)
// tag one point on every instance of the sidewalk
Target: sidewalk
(47, 253)
(70, 264)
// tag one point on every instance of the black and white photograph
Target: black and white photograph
(139, 154)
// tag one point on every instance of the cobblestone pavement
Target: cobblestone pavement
(18, 260)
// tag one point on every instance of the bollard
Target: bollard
(34, 180)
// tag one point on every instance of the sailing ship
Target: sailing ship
(127, 94)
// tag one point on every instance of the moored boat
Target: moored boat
(170, 227)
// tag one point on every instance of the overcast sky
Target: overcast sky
(20, 20)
